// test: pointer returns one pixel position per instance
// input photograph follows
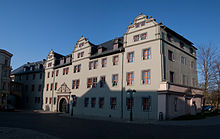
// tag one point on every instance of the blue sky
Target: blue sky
(29, 29)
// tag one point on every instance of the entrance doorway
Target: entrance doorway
(63, 106)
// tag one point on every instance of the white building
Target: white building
(153, 60)
(5, 70)
(31, 76)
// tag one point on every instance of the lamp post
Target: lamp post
(131, 93)
(73, 101)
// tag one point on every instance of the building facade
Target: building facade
(150, 59)
(31, 77)
(5, 70)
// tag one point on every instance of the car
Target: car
(208, 108)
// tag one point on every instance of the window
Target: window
(102, 81)
(136, 38)
(81, 44)
(77, 84)
(79, 68)
(26, 77)
(181, 44)
(34, 76)
(169, 37)
(61, 61)
(26, 88)
(113, 102)
(78, 56)
(129, 102)
(86, 102)
(50, 100)
(89, 82)
(90, 65)
(146, 77)
(94, 82)
(48, 75)
(146, 54)
(130, 78)
(191, 50)
(104, 62)
(52, 73)
(100, 50)
(115, 46)
(115, 60)
(146, 103)
(170, 55)
(65, 71)
(101, 102)
(73, 84)
(51, 86)
(137, 25)
(95, 64)
(82, 54)
(68, 60)
(143, 36)
(115, 80)
(93, 101)
(55, 86)
(54, 101)
(192, 64)
(50, 64)
(75, 69)
(184, 80)
(46, 101)
(74, 102)
(171, 76)
(130, 57)
(47, 87)
(175, 104)
(32, 88)
(142, 23)
(39, 87)
(183, 60)
(57, 72)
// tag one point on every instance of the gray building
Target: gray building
(31, 76)
(5, 70)
(152, 60)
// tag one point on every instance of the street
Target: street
(53, 125)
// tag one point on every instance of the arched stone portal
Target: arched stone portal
(63, 105)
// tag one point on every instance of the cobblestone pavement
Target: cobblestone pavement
(51, 125)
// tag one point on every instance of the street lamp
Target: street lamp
(131, 93)
(73, 102)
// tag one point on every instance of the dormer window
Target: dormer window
(81, 44)
(191, 50)
(181, 44)
(137, 25)
(142, 23)
(50, 64)
(62, 61)
(100, 50)
(25, 68)
(169, 37)
(115, 46)
(67, 59)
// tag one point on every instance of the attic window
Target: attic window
(81, 44)
(181, 44)
(115, 46)
(62, 61)
(137, 25)
(191, 50)
(67, 59)
(100, 50)
(169, 37)
(142, 23)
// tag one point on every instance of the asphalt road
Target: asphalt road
(65, 127)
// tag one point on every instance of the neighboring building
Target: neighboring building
(5, 70)
(31, 76)
(15, 94)
(150, 58)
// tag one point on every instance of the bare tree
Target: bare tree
(216, 75)
(206, 58)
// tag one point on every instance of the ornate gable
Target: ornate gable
(64, 89)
